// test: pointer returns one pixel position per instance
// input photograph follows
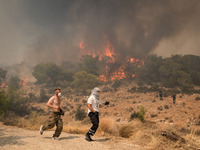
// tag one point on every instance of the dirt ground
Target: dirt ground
(21, 139)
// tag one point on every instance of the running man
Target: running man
(54, 115)
(93, 112)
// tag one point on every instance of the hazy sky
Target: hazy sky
(51, 30)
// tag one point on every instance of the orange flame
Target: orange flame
(3, 84)
(109, 52)
(82, 45)
(23, 82)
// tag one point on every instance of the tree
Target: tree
(168, 72)
(3, 103)
(17, 102)
(51, 74)
(2, 74)
(14, 82)
(83, 81)
(149, 72)
(185, 81)
(89, 64)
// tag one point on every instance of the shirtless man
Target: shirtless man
(54, 115)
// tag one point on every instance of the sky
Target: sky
(34, 31)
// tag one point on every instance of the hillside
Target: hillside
(123, 103)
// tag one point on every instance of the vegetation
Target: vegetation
(116, 84)
(3, 74)
(3, 103)
(140, 114)
(43, 97)
(176, 71)
(51, 74)
(80, 113)
(13, 83)
(89, 64)
(18, 104)
(83, 81)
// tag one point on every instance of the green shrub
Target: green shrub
(17, 103)
(140, 115)
(3, 103)
(83, 81)
(80, 113)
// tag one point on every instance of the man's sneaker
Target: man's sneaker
(55, 138)
(87, 137)
(41, 130)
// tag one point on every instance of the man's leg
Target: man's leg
(50, 123)
(59, 126)
(95, 124)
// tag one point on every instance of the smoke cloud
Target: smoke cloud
(34, 31)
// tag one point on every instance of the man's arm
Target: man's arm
(101, 105)
(90, 107)
(104, 104)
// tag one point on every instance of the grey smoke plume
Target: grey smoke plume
(51, 30)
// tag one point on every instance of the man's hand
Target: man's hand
(96, 113)
(61, 112)
(56, 107)
(106, 103)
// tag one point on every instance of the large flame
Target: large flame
(110, 53)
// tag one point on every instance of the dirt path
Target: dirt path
(21, 139)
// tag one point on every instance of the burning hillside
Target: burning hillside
(114, 65)
(21, 82)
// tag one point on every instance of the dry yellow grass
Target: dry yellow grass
(147, 133)
(34, 121)
(75, 127)
(107, 126)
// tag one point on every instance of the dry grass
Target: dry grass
(146, 133)
(108, 126)
(193, 139)
(75, 127)
(33, 122)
